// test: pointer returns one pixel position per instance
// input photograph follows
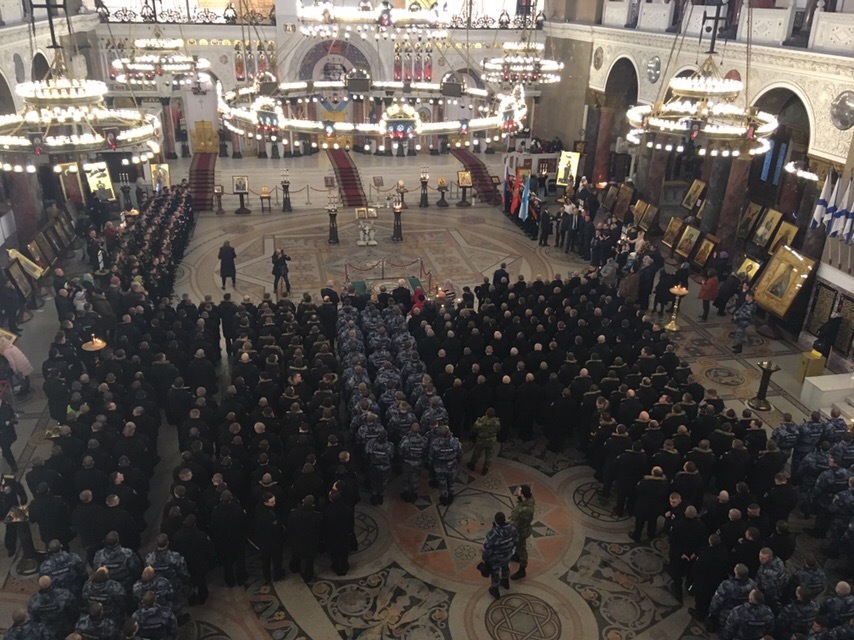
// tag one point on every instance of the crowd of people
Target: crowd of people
(313, 401)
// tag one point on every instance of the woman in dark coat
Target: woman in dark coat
(726, 291)
(227, 269)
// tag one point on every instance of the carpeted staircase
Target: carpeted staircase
(480, 179)
(202, 180)
(347, 175)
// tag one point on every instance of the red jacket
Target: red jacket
(709, 290)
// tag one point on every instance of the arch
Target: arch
(7, 100)
(40, 67)
(618, 68)
(349, 55)
(773, 95)
(18, 63)
(467, 72)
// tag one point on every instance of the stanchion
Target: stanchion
(425, 177)
(332, 210)
(760, 403)
(463, 202)
(242, 210)
(219, 210)
(442, 202)
(397, 231)
(286, 197)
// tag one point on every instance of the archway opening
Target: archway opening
(621, 92)
(40, 67)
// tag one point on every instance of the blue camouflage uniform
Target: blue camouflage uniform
(837, 610)
(29, 630)
(730, 594)
(444, 456)
(843, 453)
(123, 564)
(749, 622)
(435, 412)
(497, 551)
(380, 454)
(834, 430)
(56, 608)
(842, 511)
(161, 587)
(786, 436)
(65, 569)
(103, 629)
(771, 578)
(796, 617)
(110, 594)
(811, 579)
(821, 495)
(809, 435)
(172, 566)
(413, 450)
(812, 466)
(368, 432)
(156, 622)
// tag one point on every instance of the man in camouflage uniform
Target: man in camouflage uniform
(835, 428)
(786, 435)
(159, 585)
(485, 430)
(100, 589)
(24, 629)
(65, 569)
(842, 512)
(730, 594)
(169, 564)
(444, 456)
(380, 453)
(55, 607)
(522, 517)
(838, 609)
(809, 435)
(96, 625)
(413, 450)
(751, 620)
(829, 483)
(497, 550)
(771, 577)
(155, 621)
(122, 563)
(798, 615)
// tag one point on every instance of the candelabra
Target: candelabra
(274, 147)
(332, 210)
(286, 192)
(397, 205)
(443, 189)
(401, 193)
(760, 403)
(678, 292)
(124, 179)
(425, 176)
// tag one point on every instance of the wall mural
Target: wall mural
(331, 60)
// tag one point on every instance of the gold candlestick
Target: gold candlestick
(679, 292)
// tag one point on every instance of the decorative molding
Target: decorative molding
(692, 21)
(616, 13)
(768, 26)
(832, 32)
(656, 16)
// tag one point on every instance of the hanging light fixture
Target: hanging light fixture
(523, 62)
(154, 58)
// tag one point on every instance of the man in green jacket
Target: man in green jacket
(522, 517)
(486, 430)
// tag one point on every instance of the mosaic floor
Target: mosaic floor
(414, 575)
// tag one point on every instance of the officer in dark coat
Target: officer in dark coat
(52, 516)
(228, 530)
(338, 523)
(629, 470)
(687, 538)
(268, 537)
(12, 495)
(709, 570)
(304, 529)
(198, 551)
(651, 501)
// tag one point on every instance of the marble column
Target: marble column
(602, 159)
(26, 201)
(656, 175)
(591, 133)
(814, 240)
(790, 192)
(644, 156)
(733, 202)
(716, 191)
(168, 126)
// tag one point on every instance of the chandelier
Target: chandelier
(522, 63)
(154, 58)
(324, 20)
(67, 115)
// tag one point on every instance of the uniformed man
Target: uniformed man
(809, 435)
(838, 609)
(65, 569)
(25, 629)
(485, 430)
(522, 517)
(54, 607)
(122, 563)
(730, 594)
(771, 577)
(497, 551)
(109, 594)
(155, 621)
(444, 457)
(749, 621)
(12, 495)
(413, 450)
(96, 624)
(169, 564)
(829, 483)
(380, 454)
(159, 585)
(797, 616)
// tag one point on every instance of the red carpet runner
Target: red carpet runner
(202, 180)
(480, 179)
(349, 182)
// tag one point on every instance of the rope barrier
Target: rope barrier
(402, 266)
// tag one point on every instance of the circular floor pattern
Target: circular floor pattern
(724, 376)
(522, 616)
(589, 500)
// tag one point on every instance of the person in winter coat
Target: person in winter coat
(743, 318)
(497, 551)
(227, 268)
(708, 292)
(19, 363)
(418, 298)
(726, 291)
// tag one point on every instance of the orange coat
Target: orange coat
(709, 290)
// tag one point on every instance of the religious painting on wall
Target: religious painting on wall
(47, 251)
(748, 219)
(687, 242)
(567, 168)
(611, 197)
(160, 177)
(239, 184)
(99, 182)
(693, 194)
(748, 269)
(704, 251)
(649, 217)
(36, 254)
(624, 198)
(69, 178)
(464, 179)
(822, 306)
(639, 209)
(19, 278)
(846, 330)
(766, 227)
(674, 227)
(782, 280)
(785, 236)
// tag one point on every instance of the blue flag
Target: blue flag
(526, 195)
(821, 205)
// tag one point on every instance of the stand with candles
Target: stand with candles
(286, 192)
(425, 177)
(679, 292)
(397, 231)
(332, 210)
